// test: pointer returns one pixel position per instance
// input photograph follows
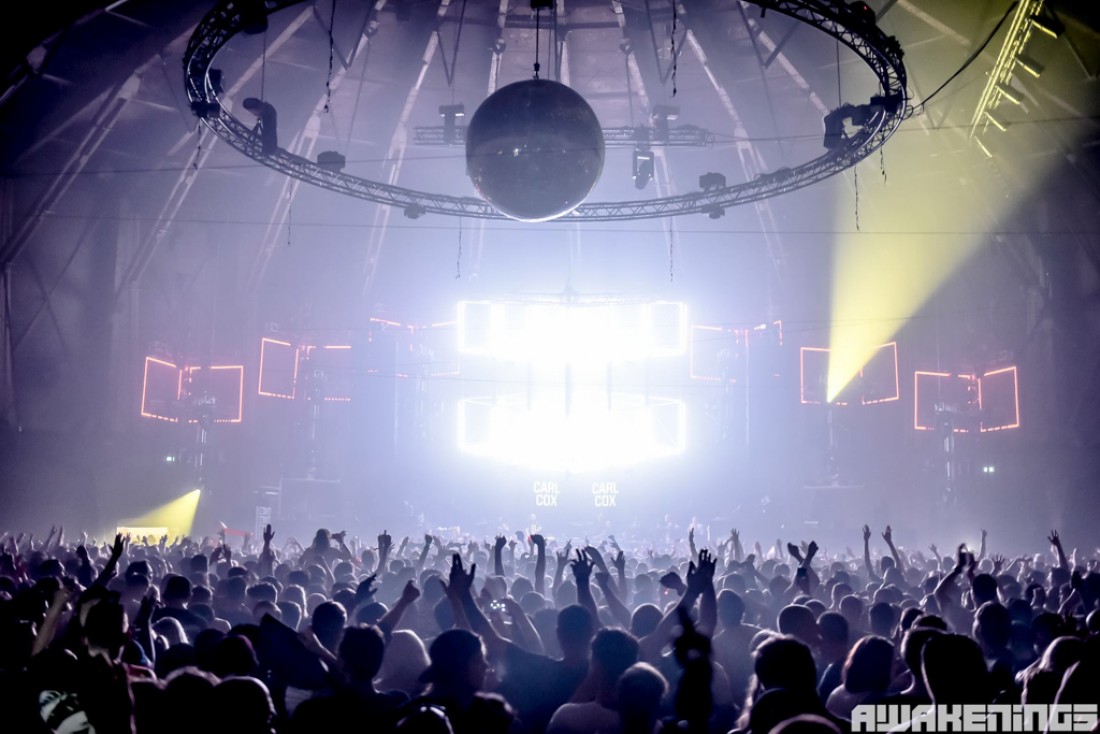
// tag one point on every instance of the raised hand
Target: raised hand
(597, 557)
(459, 582)
(795, 552)
(269, 534)
(410, 593)
(1054, 539)
(117, 547)
(581, 567)
(499, 543)
(888, 536)
(866, 533)
(960, 561)
(538, 541)
(811, 550)
(707, 564)
(620, 563)
(384, 541)
(935, 551)
(368, 583)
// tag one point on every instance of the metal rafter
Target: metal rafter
(881, 53)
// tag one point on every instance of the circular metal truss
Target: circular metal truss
(880, 118)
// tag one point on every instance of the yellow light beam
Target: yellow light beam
(177, 516)
(879, 283)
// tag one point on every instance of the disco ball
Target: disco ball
(534, 150)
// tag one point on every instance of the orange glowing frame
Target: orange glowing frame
(917, 375)
(1015, 423)
(240, 389)
(264, 342)
(177, 377)
(897, 387)
(802, 374)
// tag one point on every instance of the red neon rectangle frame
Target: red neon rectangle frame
(1015, 397)
(916, 397)
(897, 385)
(240, 390)
(145, 413)
(294, 380)
(802, 374)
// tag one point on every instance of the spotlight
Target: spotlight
(1050, 26)
(858, 115)
(265, 127)
(643, 167)
(253, 17)
(1030, 65)
(996, 121)
(834, 126)
(863, 12)
(450, 114)
(712, 181)
(215, 77)
(331, 160)
(715, 212)
(662, 113)
(415, 211)
(1010, 93)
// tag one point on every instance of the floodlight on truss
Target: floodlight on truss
(594, 434)
(572, 333)
(881, 53)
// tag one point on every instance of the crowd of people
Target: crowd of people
(526, 633)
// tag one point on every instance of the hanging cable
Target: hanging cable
(263, 67)
(331, 50)
(538, 16)
(919, 108)
(675, 18)
(671, 248)
(855, 175)
(289, 216)
(458, 260)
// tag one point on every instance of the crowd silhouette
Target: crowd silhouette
(526, 633)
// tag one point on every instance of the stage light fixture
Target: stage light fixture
(1013, 95)
(996, 121)
(1030, 65)
(712, 181)
(450, 114)
(1050, 26)
(643, 166)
